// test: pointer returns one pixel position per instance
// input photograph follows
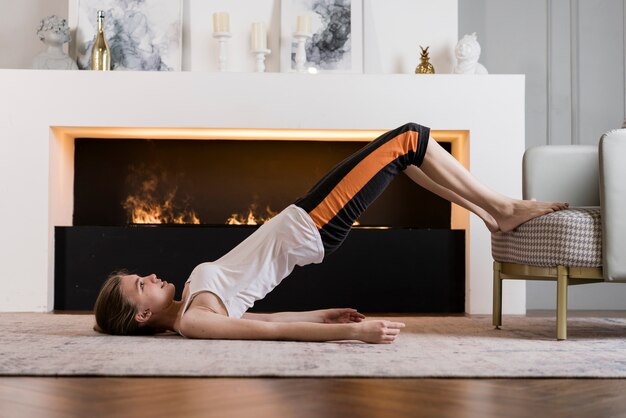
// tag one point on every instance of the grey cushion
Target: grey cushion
(571, 237)
(562, 173)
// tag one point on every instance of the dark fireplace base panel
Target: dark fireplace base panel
(375, 270)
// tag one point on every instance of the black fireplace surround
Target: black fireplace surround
(404, 258)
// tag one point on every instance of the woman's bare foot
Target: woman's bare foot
(490, 222)
(520, 211)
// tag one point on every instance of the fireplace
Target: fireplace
(163, 206)
(43, 112)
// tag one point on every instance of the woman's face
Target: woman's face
(148, 292)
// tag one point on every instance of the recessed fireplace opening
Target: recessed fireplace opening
(120, 182)
(203, 183)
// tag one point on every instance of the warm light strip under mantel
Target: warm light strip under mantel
(459, 140)
(237, 133)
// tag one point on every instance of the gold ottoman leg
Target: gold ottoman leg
(497, 296)
(561, 303)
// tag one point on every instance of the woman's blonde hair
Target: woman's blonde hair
(115, 314)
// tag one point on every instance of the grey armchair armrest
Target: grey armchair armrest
(613, 203)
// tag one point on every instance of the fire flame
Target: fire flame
(145, 208)
(251, 218)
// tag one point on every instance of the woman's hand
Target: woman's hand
(378, 332)
(340, 315)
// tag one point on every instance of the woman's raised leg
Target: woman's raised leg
(508, 213)
(423, 180)
(340, 197)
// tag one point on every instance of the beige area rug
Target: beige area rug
(66, 345)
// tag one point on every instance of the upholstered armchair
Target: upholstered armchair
(583, 244)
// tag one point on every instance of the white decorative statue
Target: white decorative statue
(467, 52)
(53, 31)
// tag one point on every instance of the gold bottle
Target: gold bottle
(424, 67)
(100, 53)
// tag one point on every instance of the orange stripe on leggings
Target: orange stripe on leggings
(361, 174)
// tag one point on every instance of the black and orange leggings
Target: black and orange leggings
(339, 198)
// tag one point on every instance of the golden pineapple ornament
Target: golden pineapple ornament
(424, 67)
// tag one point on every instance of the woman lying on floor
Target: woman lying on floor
(217, 294)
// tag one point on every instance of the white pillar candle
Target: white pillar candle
(221, 22)
(259, 36)
(303, 24)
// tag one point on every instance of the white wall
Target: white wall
(19, 20)
(393, 31)
(200, 49)
(572, 53)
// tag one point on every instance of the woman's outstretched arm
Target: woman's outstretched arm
(204, 324)
(324, 316)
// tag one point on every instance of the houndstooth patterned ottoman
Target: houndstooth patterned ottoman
(571, 237)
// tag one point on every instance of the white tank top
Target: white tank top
(259, 263)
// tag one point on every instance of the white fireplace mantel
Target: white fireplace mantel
(34, 161)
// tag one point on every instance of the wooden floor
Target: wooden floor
(303, 398)
(313, 397)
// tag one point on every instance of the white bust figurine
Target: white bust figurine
(53, 31)
(467, 52)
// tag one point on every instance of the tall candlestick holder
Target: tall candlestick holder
(301, 38)
(222, 39)
(259, 55)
